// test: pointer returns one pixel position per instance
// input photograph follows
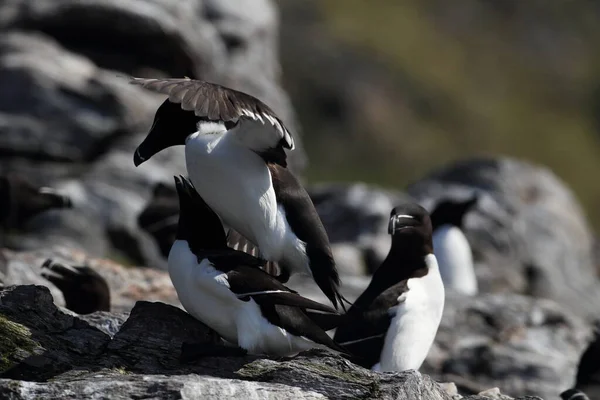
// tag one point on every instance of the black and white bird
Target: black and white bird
(452, 249)
(393, 323)
(85, 291)
(227, 290)
(235, 156)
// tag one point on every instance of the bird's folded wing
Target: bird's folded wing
(238, 242)
(265, 289)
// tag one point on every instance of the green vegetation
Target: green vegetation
(477, 77)
(14, 338)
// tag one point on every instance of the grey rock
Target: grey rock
(520, 344)
(150, 35)
(142, 361)
(106, 322)
(57, 105)
(25, 269)
(126, 284)
(40, 342)
(528, 233)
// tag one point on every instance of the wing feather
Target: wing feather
(216, 102)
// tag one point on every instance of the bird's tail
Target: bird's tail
(327, 278)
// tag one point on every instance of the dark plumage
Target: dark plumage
(85, 291)
(307, 226)
(20, 200)
(573, 394)
(451, 212)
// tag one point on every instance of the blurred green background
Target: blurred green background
(388, 90)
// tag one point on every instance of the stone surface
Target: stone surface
(47, 353)
(127, 284)
(517, 343)
(528, 232)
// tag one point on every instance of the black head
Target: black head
(84, 290)
(451, 212)
(171, 127)
(21, 200)
(198, 223)
(410, 227)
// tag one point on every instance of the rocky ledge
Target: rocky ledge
(49, 352)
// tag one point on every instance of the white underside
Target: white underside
(455, 259)
(236, 183)
(204, 293)
(415, 322)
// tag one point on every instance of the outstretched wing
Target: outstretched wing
(218, 103)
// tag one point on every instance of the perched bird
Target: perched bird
(20, 200)
(393, 323)
(227, 290)
(451, 247)
(235, 155)
(84, 290)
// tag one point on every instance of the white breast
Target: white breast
(204, 293)
(236, 183)
(455, 259)
(415, 322)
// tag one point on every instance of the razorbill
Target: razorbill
(20, 200)
(235, 156)
(393, 323)
(452, 250)
(227, 290)
(84, 290)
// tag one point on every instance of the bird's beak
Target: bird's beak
(399, 222)
(138, 158)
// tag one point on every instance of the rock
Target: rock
(357, 215)
(40, 342)
(528, 232)
(151, 35)
(106, 322)
(74, 109)
(49, 354)
(127, 284)
(520, 344)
